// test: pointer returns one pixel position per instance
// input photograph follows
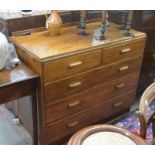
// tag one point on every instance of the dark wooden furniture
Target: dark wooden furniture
(82, 81)
(17, 83)
(79, 137)
(145, 21)
(15, 21)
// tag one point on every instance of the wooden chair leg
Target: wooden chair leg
(143, 124)
(153, 130)
(34, 118)
(153, 125)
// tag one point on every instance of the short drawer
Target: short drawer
(69, 86)
(69, 125)
(91, 97)
(123, 51)
(68, 66)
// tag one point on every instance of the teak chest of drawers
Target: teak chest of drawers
(82, 81)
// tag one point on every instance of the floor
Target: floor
(11, 133)
(16, 134)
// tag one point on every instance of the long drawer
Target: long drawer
(69, 125)
(123, 51)
(90, 97)
(68, 66)
(69, 86)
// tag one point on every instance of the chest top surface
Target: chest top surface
(43, 46)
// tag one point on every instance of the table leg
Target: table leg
(34, 118)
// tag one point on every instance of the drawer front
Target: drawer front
(68, 66)
(124, 51)
(69, 86)
(89, 98)
(69, 125)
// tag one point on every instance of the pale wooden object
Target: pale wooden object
(146, 99)
(54, 23)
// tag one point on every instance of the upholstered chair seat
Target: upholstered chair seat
(105, 134)
(108, 138)
(132, 123)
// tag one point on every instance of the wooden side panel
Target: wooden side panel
(25, 113)
(29, 60)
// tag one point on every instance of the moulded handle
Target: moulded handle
(125, 50)
(118, 104)
(75, 64)
(119, 86)
(73, 124)
(73, 104)
(153, 56)
(75, 84)
(124, 68)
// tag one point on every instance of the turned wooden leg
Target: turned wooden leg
(153, 126)
(143, 124)
(34, 117)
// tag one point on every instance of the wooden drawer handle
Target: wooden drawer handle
(74, 104)
(153, 56)
(75, 84)
(125, 50)
(119, 86)
(1, 82)
(73, 124)
(24, 33)
(118, 104)
(75, 64)
(121, 69)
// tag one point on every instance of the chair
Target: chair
(135, 128)
(105, 134)
(146, 112)
(142, 122)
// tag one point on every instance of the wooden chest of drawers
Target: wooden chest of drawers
(82, 81)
